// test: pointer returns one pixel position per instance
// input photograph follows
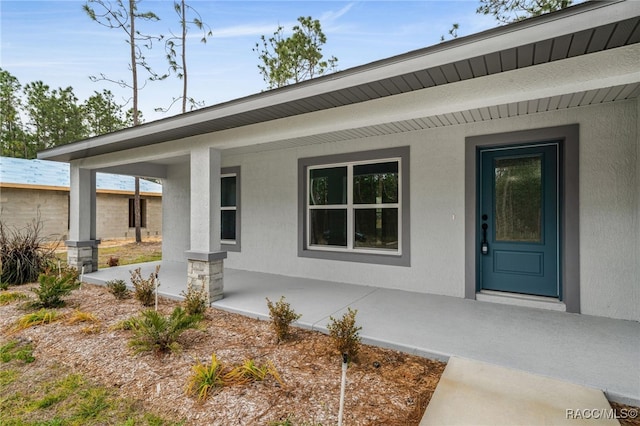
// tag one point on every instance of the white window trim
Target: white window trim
(350, 207)
(371, 257)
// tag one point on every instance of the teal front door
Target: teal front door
(518, 224)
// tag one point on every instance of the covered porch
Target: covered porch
(593, 351)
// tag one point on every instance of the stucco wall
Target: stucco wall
(20, 206)
(175, 206)
(608, 203)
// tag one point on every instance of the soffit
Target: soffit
(534, 106)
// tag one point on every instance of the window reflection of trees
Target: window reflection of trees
(373, 201)
(518, 199)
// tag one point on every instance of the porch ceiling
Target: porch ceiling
(594, 27)
(571, 100)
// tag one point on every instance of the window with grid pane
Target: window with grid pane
(228, 208)
(355, 206)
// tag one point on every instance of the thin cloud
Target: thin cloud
(331, 15)
(253, 30)
(248, 30)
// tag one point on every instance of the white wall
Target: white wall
(608, 201)
(175, 208)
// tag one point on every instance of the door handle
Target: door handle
(484, 245)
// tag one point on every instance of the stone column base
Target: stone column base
(207, 270)
(83, 254)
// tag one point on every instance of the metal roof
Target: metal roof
(42, 173)
(593, 27)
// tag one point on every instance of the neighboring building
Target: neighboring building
(502, 166)
(36, 188)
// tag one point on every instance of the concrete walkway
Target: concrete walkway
(476, 393)
(591, 351)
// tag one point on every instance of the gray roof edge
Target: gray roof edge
(384, 68)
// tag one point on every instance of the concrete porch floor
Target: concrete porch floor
(592, 351)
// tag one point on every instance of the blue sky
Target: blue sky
(54, 41)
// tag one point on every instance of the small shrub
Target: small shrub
(144, 289)
(345, 334)
(249, 372)
(23, 255)
(282, 315)
(113, 261)
(65, 270)
(195, 300)
(155, 332)
(18, 350)
(82, 317)
(127, 324)
(53, 288)
(204, 378)
(11, 296)
(4, 286)
(119, 289)
(41, 317)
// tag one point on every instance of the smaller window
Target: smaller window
(230, 208)
(143, 213)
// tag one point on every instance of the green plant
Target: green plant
(282, 315)
(41, 317)
(155, 332)
(345, 334)
(7, 377)
(291, 421)
(53, 288)
(23, 256)
(145, 289)
(64, 270)
(126, 324)
(195, 300)
(119, 289)
(16, 349)
(52, 397)
(249, 372)
(204, 378)
(94, 404)
(11, 296)
(284, 422)
(4, 286)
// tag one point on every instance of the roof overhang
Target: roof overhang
(584, 29)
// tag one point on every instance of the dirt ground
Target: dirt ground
(385, 388)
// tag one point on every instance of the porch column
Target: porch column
(205, 260)
(82, 246)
